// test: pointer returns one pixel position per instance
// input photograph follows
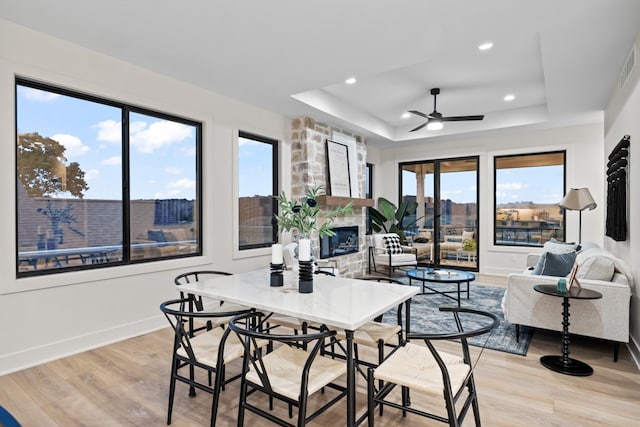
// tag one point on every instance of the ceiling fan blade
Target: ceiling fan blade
(418, 113)
(462, 118)
(419, 127)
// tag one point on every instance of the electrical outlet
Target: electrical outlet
(513, 258)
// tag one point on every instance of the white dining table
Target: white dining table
(337, 302)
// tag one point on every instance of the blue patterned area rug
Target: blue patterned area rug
(425, 317)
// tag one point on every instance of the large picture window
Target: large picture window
(257, 188)
(528, 188)
(102, 183)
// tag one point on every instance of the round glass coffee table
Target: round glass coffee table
(564, 364)
(431, 278)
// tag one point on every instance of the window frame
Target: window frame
(275, 189)
(496, 158)
(126, 110)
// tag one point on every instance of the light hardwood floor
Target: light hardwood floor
(126, 384)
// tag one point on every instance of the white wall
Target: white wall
(622, 117)
(585, 168)
(90, 308)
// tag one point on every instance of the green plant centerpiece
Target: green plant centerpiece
(301, 217)
(392, 219)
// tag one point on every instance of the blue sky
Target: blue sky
(541, 185)
(162, 154)
(255, 170)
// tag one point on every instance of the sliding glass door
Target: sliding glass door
(445, 233)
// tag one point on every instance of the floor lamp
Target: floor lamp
(578, 199)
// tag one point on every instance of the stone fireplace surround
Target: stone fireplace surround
(309, 168)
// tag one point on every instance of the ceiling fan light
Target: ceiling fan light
(434, 125)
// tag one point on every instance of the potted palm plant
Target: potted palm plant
(392, 219)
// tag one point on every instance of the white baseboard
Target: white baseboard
(634, 350)
(52, 351)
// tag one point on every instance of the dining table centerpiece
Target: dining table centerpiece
(303, 218)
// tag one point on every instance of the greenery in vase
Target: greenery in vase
(301, 216)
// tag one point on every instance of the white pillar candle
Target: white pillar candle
(304, 250)
(276, 253)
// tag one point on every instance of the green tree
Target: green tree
(43, 168)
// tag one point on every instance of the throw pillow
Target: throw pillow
(467, 235)
(392, 244)
(558, 247)
(423, 234)
(596, 268)
(553, 264)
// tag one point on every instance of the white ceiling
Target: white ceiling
(560, 58)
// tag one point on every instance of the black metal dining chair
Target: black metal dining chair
(428, 370)
(289, 373)
(198, 303)
(375, 334)
(209, 349)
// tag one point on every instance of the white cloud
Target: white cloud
(181, 188)
(112, 161)
(38, 95)
(510, 186)
(172, 170)
(109, 131)
(182, 184)
(146, 138)
(158, 135)
(91, 175)
(72, 144)
(189, 151)
(136, 127)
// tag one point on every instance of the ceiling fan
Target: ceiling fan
(435, 119)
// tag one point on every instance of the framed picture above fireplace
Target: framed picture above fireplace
(338, 166)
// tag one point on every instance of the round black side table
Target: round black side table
(564, 364)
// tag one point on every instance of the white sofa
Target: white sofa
(606, 318)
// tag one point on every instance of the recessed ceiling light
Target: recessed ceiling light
(485, 46)
(406, 115)
(509, 97)
(350, 80)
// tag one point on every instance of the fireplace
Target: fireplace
(344, 242)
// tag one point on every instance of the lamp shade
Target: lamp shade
(578, 199)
